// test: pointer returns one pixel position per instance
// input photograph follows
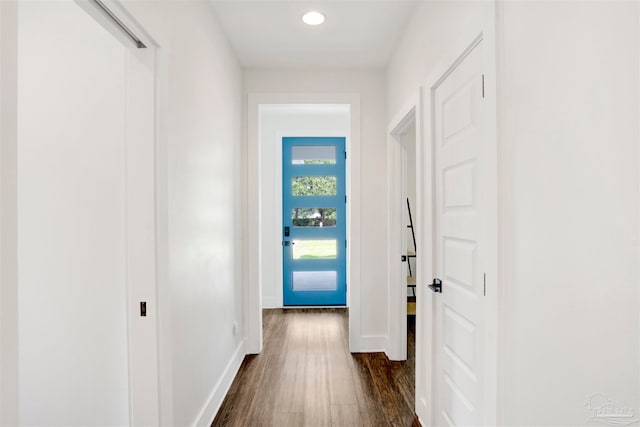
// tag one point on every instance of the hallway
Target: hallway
(151, 212)
(305, 375)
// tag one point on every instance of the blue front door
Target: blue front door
(314, 221)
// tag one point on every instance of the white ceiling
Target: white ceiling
(271, 34)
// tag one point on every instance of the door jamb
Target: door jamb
(253, 281)
(396, 348)
(493, 303)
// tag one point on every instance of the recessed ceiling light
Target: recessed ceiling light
(313, 18)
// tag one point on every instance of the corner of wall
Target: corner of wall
(210, 409)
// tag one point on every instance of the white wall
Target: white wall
(275, 122)
(569, 136)
(8, 225)
(409, 142)
(568, 125)
(73, 358)
(434, 28)
(199, 194)
(370, 85)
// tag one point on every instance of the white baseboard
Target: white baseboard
(210, 409)
(372, 344)
(270, 302)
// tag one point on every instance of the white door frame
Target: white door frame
(253, 280)
(396, 348)
(425, 336)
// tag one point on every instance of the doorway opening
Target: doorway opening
(403, 234)
(280, 127)
(330, 120)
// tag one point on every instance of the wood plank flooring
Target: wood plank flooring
(305, 376)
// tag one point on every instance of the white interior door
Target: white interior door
(86, 224)
(463, 243)
(73, 367)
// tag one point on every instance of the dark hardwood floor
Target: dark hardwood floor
(305, 376)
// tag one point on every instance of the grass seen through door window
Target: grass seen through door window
(314, 249)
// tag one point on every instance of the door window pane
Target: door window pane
(313, 217)
(314, 186)
(314, 249)
(313, 155)
(315, 281)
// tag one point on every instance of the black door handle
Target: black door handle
(436, 286)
